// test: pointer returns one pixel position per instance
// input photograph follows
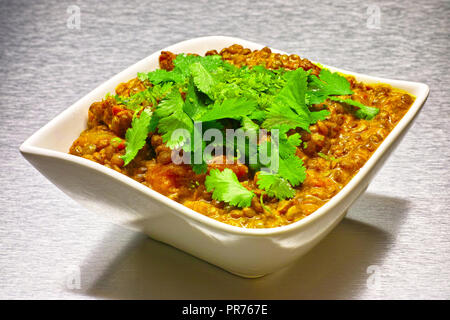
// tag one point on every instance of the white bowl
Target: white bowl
(245, 252)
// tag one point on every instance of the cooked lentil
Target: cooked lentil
(333, 152)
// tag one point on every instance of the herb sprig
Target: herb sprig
(219, 94)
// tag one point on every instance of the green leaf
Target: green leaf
(161, 75)
(293, 94)
(203, 79)
(145, 98)
(198, 146)
(231, 109)
(318, 115)
(183, 62)
(363, 111)
(258, 115)
(171, 103)
(248, 125)
(136, 135)
(275, 185)
(181, 71)
(288, 145)
(168, 127)
(172, 118)
(289, 105)
(327, 84)
(279, 115)
(255, 97)
(200, 168)
(226, 187)
(193, 106)
(334, 83)
(142, 76)
(293, 170)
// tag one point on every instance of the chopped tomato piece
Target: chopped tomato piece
(121, 146)
(116, 110)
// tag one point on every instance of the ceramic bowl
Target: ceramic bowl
(245, 252)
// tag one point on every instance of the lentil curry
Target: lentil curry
(330, 124)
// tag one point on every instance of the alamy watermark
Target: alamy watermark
(373, 17)
(74, 19)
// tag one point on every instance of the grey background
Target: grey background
(400, 226)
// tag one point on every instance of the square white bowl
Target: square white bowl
(245, 252)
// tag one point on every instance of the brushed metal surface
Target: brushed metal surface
(394, 242)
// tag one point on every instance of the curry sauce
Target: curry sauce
(332, 151)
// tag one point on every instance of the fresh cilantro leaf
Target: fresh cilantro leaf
(160, 91)
(172, 118)
(147, 97)
(334, 83)
(289, 106)
(193, 105)
(198, 145)
(279, 114)
(212, 62)
(203, 79)
(183, 63)
(318, 115)
(136, 135)
(258, 115)
(288, 145)
(327, 84)
(226, 187)
(255, 83)
(215, 90)
(142, 76)
(133, 103)
(171, 103)
(168, 126)
(293, 94)
(200, 168)
(292, 169)
(160, 75)
(196, 148)
(231, 108)
(363, 111)
(181, 71)
(153, 123)
(248, 125)
(275, 185)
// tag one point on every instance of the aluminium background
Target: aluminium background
(394, 242)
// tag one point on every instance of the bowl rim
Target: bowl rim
(28, 146)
